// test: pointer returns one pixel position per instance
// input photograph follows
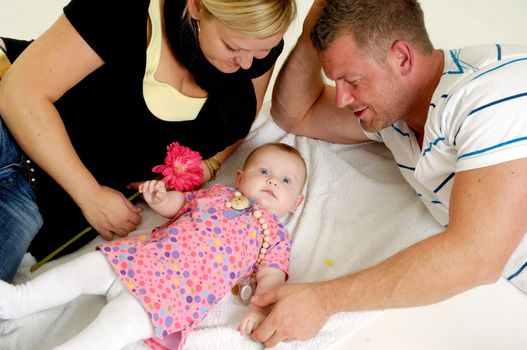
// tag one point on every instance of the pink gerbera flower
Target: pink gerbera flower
(182, 170)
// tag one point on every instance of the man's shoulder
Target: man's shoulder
(474, 58)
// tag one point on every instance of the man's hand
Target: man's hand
(110, 213)
(299, 313)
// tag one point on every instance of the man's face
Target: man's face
(374, 91)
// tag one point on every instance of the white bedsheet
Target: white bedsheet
(358, 211)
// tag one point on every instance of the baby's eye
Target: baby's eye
(264, 171)
(286, 180)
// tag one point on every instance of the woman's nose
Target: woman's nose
(245, 59)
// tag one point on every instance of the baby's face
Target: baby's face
(274, 178)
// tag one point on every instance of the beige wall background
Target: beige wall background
(451, 23)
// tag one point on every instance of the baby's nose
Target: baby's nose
(271, 182)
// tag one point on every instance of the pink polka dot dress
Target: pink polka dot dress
(184, 267)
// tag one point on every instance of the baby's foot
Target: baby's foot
(8, 304)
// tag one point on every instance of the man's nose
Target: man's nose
(343, 95)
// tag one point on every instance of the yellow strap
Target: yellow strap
(4, 63)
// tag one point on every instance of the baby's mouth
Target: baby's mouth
(269, 192)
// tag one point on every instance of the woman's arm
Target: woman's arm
(47, 69)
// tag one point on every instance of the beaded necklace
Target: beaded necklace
(246, 287)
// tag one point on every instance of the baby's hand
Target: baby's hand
(251, 321)
(154, 191)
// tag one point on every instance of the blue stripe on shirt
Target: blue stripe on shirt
(445, 181)
(400, 131)
(456, 62)
(405, 167)
(517, 272)
(505, 99)
(436, 141)
(501, 66)
(519, 139)
(497, 102)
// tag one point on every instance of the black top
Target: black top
(106, 115)
(107, 119)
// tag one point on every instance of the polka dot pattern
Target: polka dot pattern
(185, 266)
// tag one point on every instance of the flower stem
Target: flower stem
(68, 243)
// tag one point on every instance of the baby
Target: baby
(160, 286)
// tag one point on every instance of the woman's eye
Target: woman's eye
(231, 49)
(264, 171)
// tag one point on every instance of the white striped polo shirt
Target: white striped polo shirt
(477, 117)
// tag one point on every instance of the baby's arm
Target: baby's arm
(266, 279)
(166, 204)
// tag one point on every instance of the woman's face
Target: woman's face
(228, 50)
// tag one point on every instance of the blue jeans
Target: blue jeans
(20, 218)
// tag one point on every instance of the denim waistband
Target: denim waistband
(23, 165)
(18, 164)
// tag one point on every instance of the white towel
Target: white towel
(358, 211)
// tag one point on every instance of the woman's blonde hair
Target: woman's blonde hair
(256, 18)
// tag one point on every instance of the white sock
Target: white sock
(87, 274)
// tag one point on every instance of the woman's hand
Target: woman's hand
(110, 213)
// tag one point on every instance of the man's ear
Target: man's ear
(402, 53)
(299, 201)
(239, 175)
(194, 9)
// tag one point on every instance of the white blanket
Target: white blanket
(358, 211)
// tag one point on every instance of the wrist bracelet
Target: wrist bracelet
(213, 166)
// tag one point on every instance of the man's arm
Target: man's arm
(302, 103)
(487, 222)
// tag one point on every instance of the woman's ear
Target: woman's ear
(194, 9)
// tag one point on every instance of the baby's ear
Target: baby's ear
(299, 201)
(239, 176)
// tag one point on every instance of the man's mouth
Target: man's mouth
(357, 111)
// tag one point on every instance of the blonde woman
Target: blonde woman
(109, 78)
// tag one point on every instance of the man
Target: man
(456, 122)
